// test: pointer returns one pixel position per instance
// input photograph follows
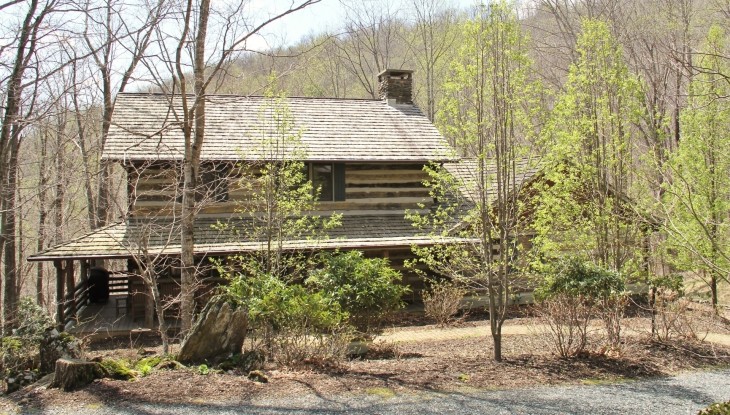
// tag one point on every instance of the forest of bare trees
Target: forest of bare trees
(62, 63)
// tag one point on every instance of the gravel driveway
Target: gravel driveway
(683, 394)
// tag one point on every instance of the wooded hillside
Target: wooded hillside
(658, 78)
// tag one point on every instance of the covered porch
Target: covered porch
(125, 305)
(129, 305)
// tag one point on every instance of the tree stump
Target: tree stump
(74, 373)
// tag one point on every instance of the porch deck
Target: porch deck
(111, 319)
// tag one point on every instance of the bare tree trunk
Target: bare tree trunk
(194, 126)
(42, 217)
(10, 299)
(9, 135)
(156, 300)
(60, 191)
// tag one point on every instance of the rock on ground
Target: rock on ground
(218, 332)
(54, 346)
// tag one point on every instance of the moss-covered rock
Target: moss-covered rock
(118, 369)
(719, 408)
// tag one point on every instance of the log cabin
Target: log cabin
(365, 156)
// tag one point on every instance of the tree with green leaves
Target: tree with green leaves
(491, 113)
(278, 196)
(697, 204)
(208, 36)
(584, 208)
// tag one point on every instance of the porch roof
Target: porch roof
(161, 236)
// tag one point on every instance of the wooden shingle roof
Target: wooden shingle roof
(466, 174)
(162, 237)
(146, 126)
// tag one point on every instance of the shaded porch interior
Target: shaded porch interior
(93, 301)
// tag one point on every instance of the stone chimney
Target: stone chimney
(396, 86)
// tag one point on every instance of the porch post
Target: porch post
(59, 294)
(71, 287)
(149, 308)
(84, 275)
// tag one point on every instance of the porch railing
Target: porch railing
(75, 302)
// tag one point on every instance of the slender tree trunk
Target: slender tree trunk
(42, 217)
(60, 196)
(8, 161)
(195, 135)
(10, 300)
(161, 322)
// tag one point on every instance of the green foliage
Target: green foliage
(144, 370)
(291, 324)
(570, 294)
(151, 361)
(491, 112)
(32, 321)
(19, 351)
(672, 284)
(120, 369)
(718, 408)
(696, 200)
(584, 207)
(145, 365)
(203, 369)
(577, 278)
(14, 356)
(490, 84)
(277, 197)
(367, 289)
(274, 303)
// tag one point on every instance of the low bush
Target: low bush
(19, 351)
(670, 317)
(566, 318)
(368, 289)
(292, 324)
(441, 301)
(570, 294)
(146, 365)
(203, 370)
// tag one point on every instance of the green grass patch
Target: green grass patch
(385, 393)
(464, 377)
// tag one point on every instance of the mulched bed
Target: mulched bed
(434, 365)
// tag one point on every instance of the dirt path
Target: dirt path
(482, 330)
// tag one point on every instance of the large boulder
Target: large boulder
(218, 333)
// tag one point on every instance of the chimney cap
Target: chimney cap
(395, 72)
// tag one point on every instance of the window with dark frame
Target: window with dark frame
(329, 179)
(323, 180)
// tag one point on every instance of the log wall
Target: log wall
(369, 188)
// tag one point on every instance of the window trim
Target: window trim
(338, 180)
